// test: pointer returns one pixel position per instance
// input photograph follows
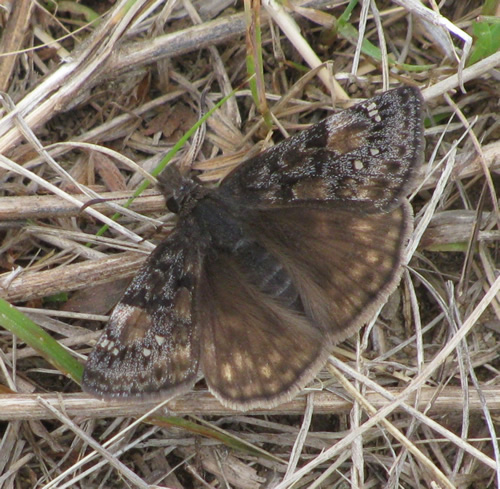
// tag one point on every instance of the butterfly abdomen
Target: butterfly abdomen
(268, 274)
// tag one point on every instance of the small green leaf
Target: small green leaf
(487, 41)
(56, 298)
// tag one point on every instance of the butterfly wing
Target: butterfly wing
(150, 347)
(366, 157)
(257, 351)
(305, 279)
(344, 265)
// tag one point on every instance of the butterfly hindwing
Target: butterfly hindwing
(344, 265)
(257, 351)
(150, 346)
(364, 158)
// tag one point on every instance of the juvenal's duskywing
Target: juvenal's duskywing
(293, 252)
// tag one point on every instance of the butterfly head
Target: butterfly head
(177, 189)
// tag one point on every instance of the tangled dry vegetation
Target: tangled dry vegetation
(95, 93)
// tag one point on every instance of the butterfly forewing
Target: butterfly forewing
(363, 159)
(294, 251)
(151, 343)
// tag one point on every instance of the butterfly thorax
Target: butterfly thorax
(219, 220)
(215, 216)
(220, 225)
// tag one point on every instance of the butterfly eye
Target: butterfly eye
(173, 205)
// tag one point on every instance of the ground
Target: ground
(95, 94)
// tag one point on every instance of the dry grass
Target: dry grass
(416, 399)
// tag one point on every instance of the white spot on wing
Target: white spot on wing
(227, 372)
(266, 371)
(238, 360)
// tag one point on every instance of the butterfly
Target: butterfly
(293, 252)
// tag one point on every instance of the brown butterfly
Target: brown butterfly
(293, 252)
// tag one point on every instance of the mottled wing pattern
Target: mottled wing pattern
(364, 158)
(303, 280)
(326, 223)
(150, 347)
